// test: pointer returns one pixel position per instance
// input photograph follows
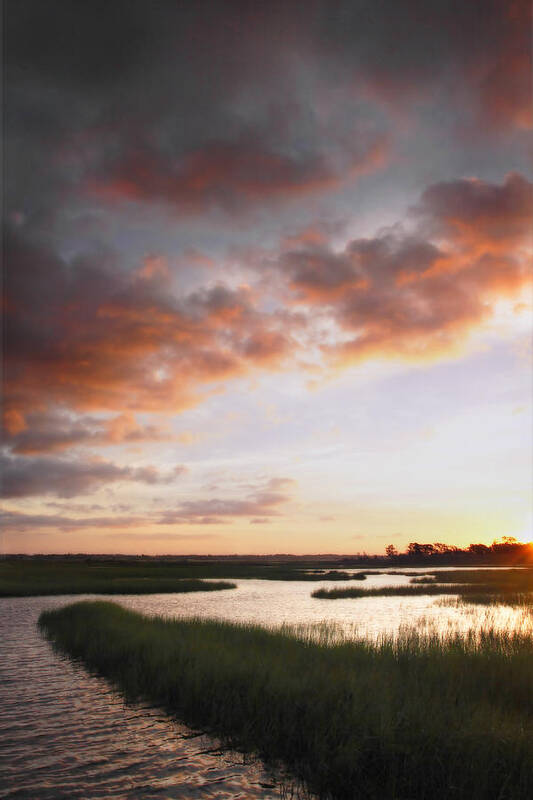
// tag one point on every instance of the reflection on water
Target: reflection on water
(276, 603)
(66, 734)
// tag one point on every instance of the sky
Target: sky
(267, 275)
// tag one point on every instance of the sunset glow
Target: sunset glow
(268, 276)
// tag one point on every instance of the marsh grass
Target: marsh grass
(20, 577)
(483, 586)
(112, 585)
(514, 579)
(515, 599)
(416, 716)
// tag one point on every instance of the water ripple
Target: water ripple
(64, 734)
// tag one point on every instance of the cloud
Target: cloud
(13, 521)
(231, 175)
(264, 502)
(218, 105)
(503, 73)
(474, 212)
(404, 54)
(87, 336)
(27, 477)
(198, 107)
(41, 476)
(79, 508)
(416, 293)
(82, 335)
(36, 433)
(150, 145)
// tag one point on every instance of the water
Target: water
(66, 734)
(275, 603)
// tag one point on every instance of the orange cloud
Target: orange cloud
(416, 295)
(125, 428)
(14, 422)
(85, 337)
(114, 342)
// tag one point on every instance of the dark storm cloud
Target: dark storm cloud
(91, 84)
(222, 104)
(402, 51)
(76, 43)
(206, 45)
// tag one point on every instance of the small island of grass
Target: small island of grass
(508, 586)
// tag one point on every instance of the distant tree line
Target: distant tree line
(507, 551)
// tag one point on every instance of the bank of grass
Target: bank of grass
(113, 585)
(486, 586)
(23, 577)
(413, 717)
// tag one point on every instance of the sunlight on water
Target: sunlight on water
(282, 603)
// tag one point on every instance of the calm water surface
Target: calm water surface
(66, 734)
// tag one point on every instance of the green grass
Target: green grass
(21, 577)
(110, 585)
(508, 586)
(414, 717)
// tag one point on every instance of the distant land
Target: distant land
(508, 551)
